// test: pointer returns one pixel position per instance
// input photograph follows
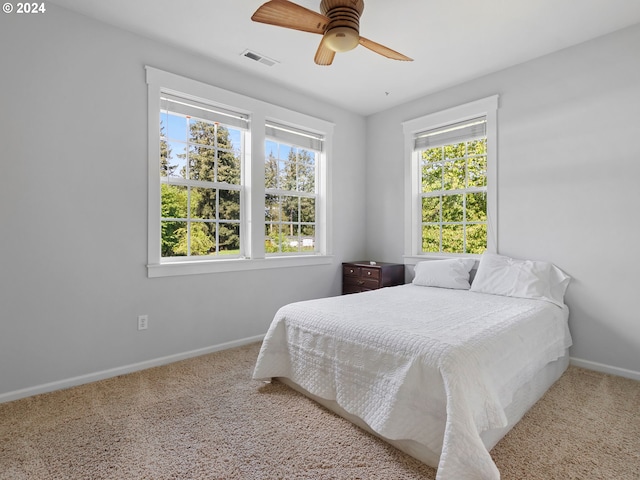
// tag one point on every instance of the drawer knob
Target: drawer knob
(368, 273)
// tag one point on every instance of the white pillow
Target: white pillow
(450, 273)
(500, 275)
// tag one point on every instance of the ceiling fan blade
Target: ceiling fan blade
(283, 13)
(324, 55)
(382, 50)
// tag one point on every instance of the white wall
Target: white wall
(73, 209)
(568, 182)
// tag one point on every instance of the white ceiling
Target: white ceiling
(451, 41)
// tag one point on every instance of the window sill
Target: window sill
(234, 265)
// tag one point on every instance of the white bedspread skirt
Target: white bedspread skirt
(436, 366)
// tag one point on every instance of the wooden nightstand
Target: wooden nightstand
(362, 276)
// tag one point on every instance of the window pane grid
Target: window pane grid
(290, 199)
(203, 151)
(200, 186)
(453, 197)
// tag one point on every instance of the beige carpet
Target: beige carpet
(205, 418)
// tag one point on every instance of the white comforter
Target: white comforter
(432, 365)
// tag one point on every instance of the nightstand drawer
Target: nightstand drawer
(351, 271)
(370, 273)
(361, 282)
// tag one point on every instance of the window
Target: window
(201, 157)
(234, 183)
(453, 170)
(451, 202)
(291, 157)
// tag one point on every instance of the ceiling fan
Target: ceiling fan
(339, 25)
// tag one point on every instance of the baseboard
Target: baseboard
(601, 367)
(114, 372)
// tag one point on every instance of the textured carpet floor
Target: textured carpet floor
(204, 418)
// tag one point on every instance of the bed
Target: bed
(441, 368)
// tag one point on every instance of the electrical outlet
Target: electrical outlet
(143, 322)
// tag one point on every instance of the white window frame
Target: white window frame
(253, 188)
(196, 110)
(303, 140)
(487, 107)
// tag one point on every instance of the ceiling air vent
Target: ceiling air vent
(259, 58)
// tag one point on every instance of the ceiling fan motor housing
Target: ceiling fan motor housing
(343, 31)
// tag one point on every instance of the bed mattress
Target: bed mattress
(433, 368)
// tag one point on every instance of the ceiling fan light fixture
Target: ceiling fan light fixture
(341, 39)
(339, 25)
